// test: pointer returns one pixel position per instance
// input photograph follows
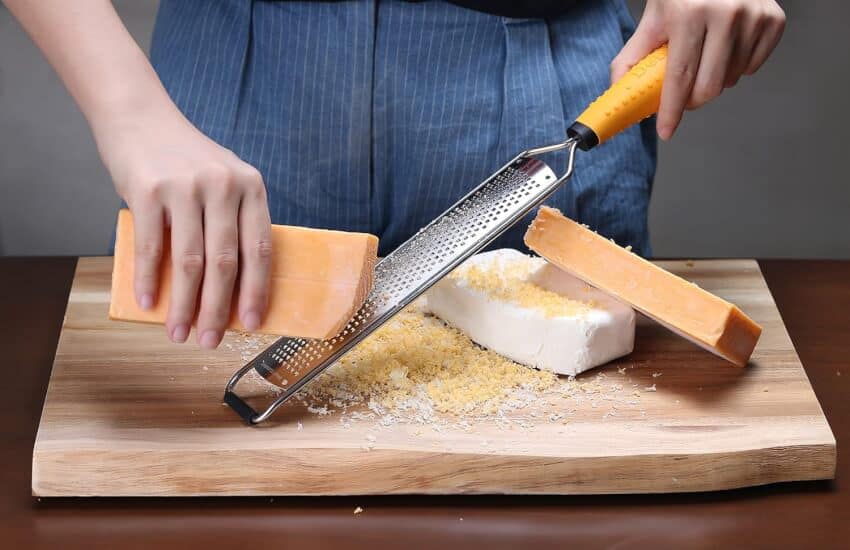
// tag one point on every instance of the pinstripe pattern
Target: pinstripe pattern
(375, 115)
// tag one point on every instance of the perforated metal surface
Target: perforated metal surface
(464, 229)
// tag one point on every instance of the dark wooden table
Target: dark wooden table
(813, 297)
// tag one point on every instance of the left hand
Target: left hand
(711, 44)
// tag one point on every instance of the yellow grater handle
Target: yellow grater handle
(631, 99)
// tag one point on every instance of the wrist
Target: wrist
(130, 107)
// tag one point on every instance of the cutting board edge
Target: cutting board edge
(560, 479)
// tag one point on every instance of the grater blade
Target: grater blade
(465, 228)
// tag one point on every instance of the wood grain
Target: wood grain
(128, 413)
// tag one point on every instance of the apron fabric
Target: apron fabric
(377, 115)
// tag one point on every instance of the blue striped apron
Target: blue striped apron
(376, 115)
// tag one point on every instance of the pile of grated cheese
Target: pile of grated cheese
(510, 283)
(416, 366)
(415, 369)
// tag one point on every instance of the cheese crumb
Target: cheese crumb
(358, 510)
(321, 411)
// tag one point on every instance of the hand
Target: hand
(712, 43)
(170, 174)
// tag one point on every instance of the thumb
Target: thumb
(646, 38)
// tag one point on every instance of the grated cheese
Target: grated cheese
(510, 284)
(415, 362)
(417, 370)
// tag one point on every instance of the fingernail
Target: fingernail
(180, 333)
(146, 301)
(664, 132)
(251, 320)
(210, 339)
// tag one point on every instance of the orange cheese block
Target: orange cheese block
(681, 306)
(319, 279)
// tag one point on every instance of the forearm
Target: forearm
(100, 64)
(168, 172)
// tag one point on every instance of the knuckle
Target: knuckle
(252, 183)
(251, 174)
(615, 66)
(191, 189)
(715, 89)
(191, 264)
(777, 16)
(257, 192)
(735, 10)
(681, 72)
(705, 93)
(216, 172)
(151, 189)
(148, 251)
(221, 181)
(617, 61)
(692, 9)
(226, 261)
(226, 188)
(262, 249)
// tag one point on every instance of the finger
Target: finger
(767, 41)
(147, 230)
(684, 51)
(222, 260)
(714, 63)
(647, 37)
(255, 248)
(187, 257)
(749, 31)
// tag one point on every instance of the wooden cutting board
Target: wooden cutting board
(128, 413)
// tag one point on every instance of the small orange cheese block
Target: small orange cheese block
(681, 306)
(319, 279)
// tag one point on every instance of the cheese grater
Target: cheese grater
(465, 228)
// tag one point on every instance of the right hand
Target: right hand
(170, 174)
(712, 43)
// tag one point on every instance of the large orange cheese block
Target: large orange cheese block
(681, 306)
(319, 279)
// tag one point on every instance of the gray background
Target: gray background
(757, 173)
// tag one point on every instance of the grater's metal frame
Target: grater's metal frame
(318, 355)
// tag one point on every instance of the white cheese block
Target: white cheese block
(533, 313)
